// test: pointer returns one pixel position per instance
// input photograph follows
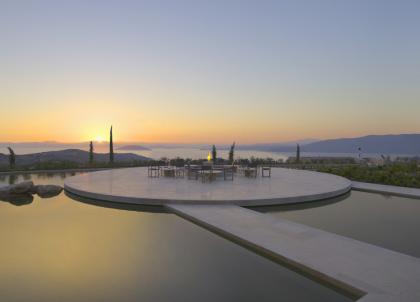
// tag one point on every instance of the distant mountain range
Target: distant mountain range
(380, 144)
(69, 155)
(387, 144)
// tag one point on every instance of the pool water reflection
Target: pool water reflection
(59, 249)
(387, 221)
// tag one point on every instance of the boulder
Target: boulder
(17, 199)
(26, 188)
(20, 188)
(46, 191)
(33, 190)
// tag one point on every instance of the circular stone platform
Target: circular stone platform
(132, 185)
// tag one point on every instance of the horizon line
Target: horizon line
(197, 143)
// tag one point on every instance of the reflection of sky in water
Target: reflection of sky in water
(388, 221)
(59, 249)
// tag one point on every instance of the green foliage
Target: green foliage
(12, 158)
(111, 148)
(231, 153)
(178, 162)
(214, 154)
(297, 153)
(396, 174)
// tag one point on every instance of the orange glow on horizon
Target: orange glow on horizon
(99, 139)
(92, 115)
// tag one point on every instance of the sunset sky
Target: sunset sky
(208, 71)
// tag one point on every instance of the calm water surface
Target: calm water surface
(388, 221)
(60, 249)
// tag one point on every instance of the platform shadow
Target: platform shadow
(117, 205)
(301, 205)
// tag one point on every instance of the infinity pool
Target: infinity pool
(60, 249)
(388, 221)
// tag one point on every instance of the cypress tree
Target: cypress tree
(297, 153)
(12, 158)
(231, 153)
(214, 154)
(111, 148)
(91, 152)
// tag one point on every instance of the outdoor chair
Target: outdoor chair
(206, 173)
(218, 167)
(153, 171)
(168, 171)
(265, 171)
(228, 173)
(179, 171)
(251, 172)
(241, 169)
(219, 170)
(193, 172)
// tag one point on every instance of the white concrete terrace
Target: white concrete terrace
(132, 185)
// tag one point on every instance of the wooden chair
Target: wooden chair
(265, 171)
(168, 171)
(192, 172)
(228, 173)
(251, 172)
(179, 172)
(206, 173)
(153, 171)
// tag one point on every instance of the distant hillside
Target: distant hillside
(132, 148)
(69, 155)
(384, 144)
(380, 144)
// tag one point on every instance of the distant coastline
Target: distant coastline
(133, 148)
